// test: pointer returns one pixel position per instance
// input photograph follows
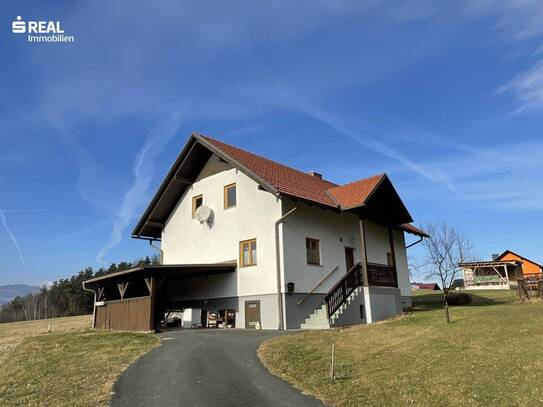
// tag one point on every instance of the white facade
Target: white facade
(186, 241)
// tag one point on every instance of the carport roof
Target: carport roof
(186, 270)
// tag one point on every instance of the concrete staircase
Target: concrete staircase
(318, 319)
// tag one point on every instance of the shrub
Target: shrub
(459, 299)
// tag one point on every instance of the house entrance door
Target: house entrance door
(252, 314)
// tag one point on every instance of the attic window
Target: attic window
(197, 201)
(230, 196)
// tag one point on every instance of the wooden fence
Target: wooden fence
(131, 314)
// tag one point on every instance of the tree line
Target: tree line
(64, 297)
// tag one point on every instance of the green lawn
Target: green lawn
(489, 355)
(72, 366)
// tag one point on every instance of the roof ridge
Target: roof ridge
(380, 175)
(212, 139)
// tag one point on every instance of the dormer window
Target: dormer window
(197, 201)
(230, 196)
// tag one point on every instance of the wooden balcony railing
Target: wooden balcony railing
(339, 293)
(382, 275)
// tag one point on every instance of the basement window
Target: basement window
(247, 253)
(230, 196)
(312, 248)
(197, 201)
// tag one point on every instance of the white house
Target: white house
(278, 247)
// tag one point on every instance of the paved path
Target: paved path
(206, 368)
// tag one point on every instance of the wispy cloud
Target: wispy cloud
(143, 171)
(83, 231)
(528, 88)
(504, 176)
(12, 237)
(344, 127)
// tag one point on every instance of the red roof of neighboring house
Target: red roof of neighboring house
(518, 255)
(427, 286)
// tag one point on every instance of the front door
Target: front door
(252, 314)
(349, 258)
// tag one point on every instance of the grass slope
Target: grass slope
(72, 366)
(488, 356)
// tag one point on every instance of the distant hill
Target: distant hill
(9, 292)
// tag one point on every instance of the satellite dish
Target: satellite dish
(203, 213)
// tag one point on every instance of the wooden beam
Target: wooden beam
(148, 281)
(363, 253)
(393, 255)
(182, 180)
(152, 290)
(100, 293)
(160, 282)
(153, 223)
(122, 289)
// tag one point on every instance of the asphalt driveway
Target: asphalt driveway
(206, 368)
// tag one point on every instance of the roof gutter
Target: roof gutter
(278, 266)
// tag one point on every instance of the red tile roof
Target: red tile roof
(284, 179)
(273, 176)
(355, 194)
(409, 228)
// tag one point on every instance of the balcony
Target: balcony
(382, 275)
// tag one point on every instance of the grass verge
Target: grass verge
(489, 355)
(69, 367)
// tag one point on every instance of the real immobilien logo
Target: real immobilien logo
(40, 31)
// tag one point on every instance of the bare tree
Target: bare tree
(445, 248)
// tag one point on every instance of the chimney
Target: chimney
(495, 257)
(315, 174)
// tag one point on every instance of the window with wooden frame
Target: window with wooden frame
(230, 196)
(197, 201)
(312, 248)
(247, 253)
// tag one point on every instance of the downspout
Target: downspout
(278, 266)
(414, 243)
(93, 304)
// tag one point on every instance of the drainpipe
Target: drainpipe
(278, 266)
(93, 305)
(414, 243)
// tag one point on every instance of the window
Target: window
(197, 201)
(229, 196)
(312, 251)
(247, 253)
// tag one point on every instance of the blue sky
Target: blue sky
(446, 97)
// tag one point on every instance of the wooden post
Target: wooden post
(151, 286)
(363, 253)
(506, 274)
(332, 365)
(122, 289)
(393, 254)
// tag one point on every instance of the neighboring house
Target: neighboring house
(425, 286)
(274, 246)
(502, 271)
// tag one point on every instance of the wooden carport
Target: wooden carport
(127, 300)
